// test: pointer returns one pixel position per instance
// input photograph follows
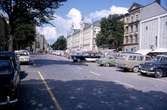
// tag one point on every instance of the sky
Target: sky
(72, 12)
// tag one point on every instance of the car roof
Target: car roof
(7, 54)
(162, 55)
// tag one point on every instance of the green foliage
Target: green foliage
(111, 34)
(22, 14)
(60, 44)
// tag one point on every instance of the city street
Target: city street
(55, 83)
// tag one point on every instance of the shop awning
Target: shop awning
(144, 51)
(160, 50)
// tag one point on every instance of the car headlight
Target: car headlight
(152, 68)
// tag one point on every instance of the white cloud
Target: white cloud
(74, 17)
(50, 33)
(104, 13)
(118, 10)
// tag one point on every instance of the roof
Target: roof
(160, 50)
(7, 54)
(144, 51)
(153, 3)
(135, 6)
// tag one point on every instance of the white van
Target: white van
(131, 61)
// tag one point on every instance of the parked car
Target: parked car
(24, 56)
(131, 61)
(9, 78)
(91, 56)
(106, 61)
(156, 67)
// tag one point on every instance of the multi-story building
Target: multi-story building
(153, 28)
(131, 28)
(40, 44)
(84, 39)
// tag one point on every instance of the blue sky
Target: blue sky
(73, 11)
(88, 6)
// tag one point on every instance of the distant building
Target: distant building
(131, 28)
(153, 28)
(84, 38)
(40, 44)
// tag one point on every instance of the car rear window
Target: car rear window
(22, 53)
(5, 67)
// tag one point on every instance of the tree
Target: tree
(35, 12)
(60, 44)
(3, 34)
(111, 34)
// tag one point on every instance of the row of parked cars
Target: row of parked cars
(146, 65)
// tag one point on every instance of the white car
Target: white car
(23, 55)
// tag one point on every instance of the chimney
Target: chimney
(158, 1)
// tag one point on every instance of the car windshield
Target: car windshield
(5, 67)
(158, 58)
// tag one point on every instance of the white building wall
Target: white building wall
(163, 32)
(153, 32)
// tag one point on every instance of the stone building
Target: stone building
(131, 28)
(40, 44)
(84, 38)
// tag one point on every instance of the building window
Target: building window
(131, 28)
(136, 39)
(131, 18)
(156, 41)
(137, 17)
(131, 39)
(127, 40)
(126, 29)
(146, 28)
(136, 27)
(127, 19)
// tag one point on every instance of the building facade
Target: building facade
(84, 39)
(153, 28)
(40, 44)
(131, 28)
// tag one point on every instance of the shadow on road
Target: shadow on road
(23, 75)
(45, 62)
(88, 95)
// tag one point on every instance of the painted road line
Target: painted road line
(57, 105)
(80, 68)
(125, 84)
(94, 73)
(161, 80)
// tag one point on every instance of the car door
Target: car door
(164, 64)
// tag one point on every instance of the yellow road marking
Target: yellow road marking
(57, 105)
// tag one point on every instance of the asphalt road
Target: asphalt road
(55, 83)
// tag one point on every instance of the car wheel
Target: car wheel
(158, 74)
(136, 69)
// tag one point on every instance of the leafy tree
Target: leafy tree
(111, 34)
(34, 12)
(60, 44)
(3, 34)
